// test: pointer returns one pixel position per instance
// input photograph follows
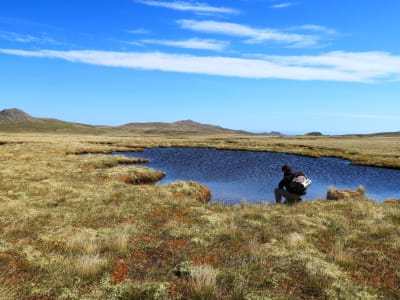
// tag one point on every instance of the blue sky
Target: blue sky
(260, 65)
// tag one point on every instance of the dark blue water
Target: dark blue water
(234, 176)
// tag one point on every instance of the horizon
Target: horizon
(257, 65)
(195, 121)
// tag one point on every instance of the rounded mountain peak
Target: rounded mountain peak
(15, 115)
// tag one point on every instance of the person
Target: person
(284, 190)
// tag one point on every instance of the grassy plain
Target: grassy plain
(97, 227)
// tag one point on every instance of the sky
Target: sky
(293, 66)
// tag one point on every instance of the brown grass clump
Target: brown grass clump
(335, 194)
(190, 189)
(392, 201)
(134, 175)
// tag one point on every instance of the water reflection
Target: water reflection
(234, 176)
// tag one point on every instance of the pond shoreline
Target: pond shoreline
(252, 175)
(248, 149)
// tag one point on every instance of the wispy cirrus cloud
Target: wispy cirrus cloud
(283, 5)
(196, 7)
(26, 38)
(253, 35)
(369, 65)
(193, 43)
(315, 28)
(26, 23)
(138, 31)
(332, 66)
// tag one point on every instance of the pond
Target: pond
(234, 176)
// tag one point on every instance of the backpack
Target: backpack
(299, 184)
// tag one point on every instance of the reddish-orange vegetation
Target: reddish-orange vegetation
(175, 248)
(160, 215)
(127, 179)
(158, 212)
(179, 195)
(392, 201)
(142, 178)
(14, 267)
(172, 244)
(144, 263)
(152, 254)
(165, 215)
(183, 216)
(237, 246)
(180, 286)
(117, 196)
(205, 194)
(206, 260)
(120, 272)
(378, 269)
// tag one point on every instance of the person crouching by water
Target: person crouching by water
(283, 189)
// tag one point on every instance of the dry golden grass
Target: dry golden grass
(86, 227)
(335, 194)
(204, 282)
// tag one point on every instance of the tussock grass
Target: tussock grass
(7, 292)
(87, 266)
(85, 242)
(97, 227)
(335, 194)
(203, 282)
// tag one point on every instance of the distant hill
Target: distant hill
(16, 120)
(378, 134)
(271, 133)
(10, 116)
(314, 133)
(186, 126)
(397, 134)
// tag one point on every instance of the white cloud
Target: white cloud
(332, 66)
(254, 35)
(139, 31)
(201, 8)
(194, 43)
(369, 65)
(282, 5)
(25, 38)
(315, 28)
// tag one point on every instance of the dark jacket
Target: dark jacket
(285, 182)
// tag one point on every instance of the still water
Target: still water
(234, 176)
